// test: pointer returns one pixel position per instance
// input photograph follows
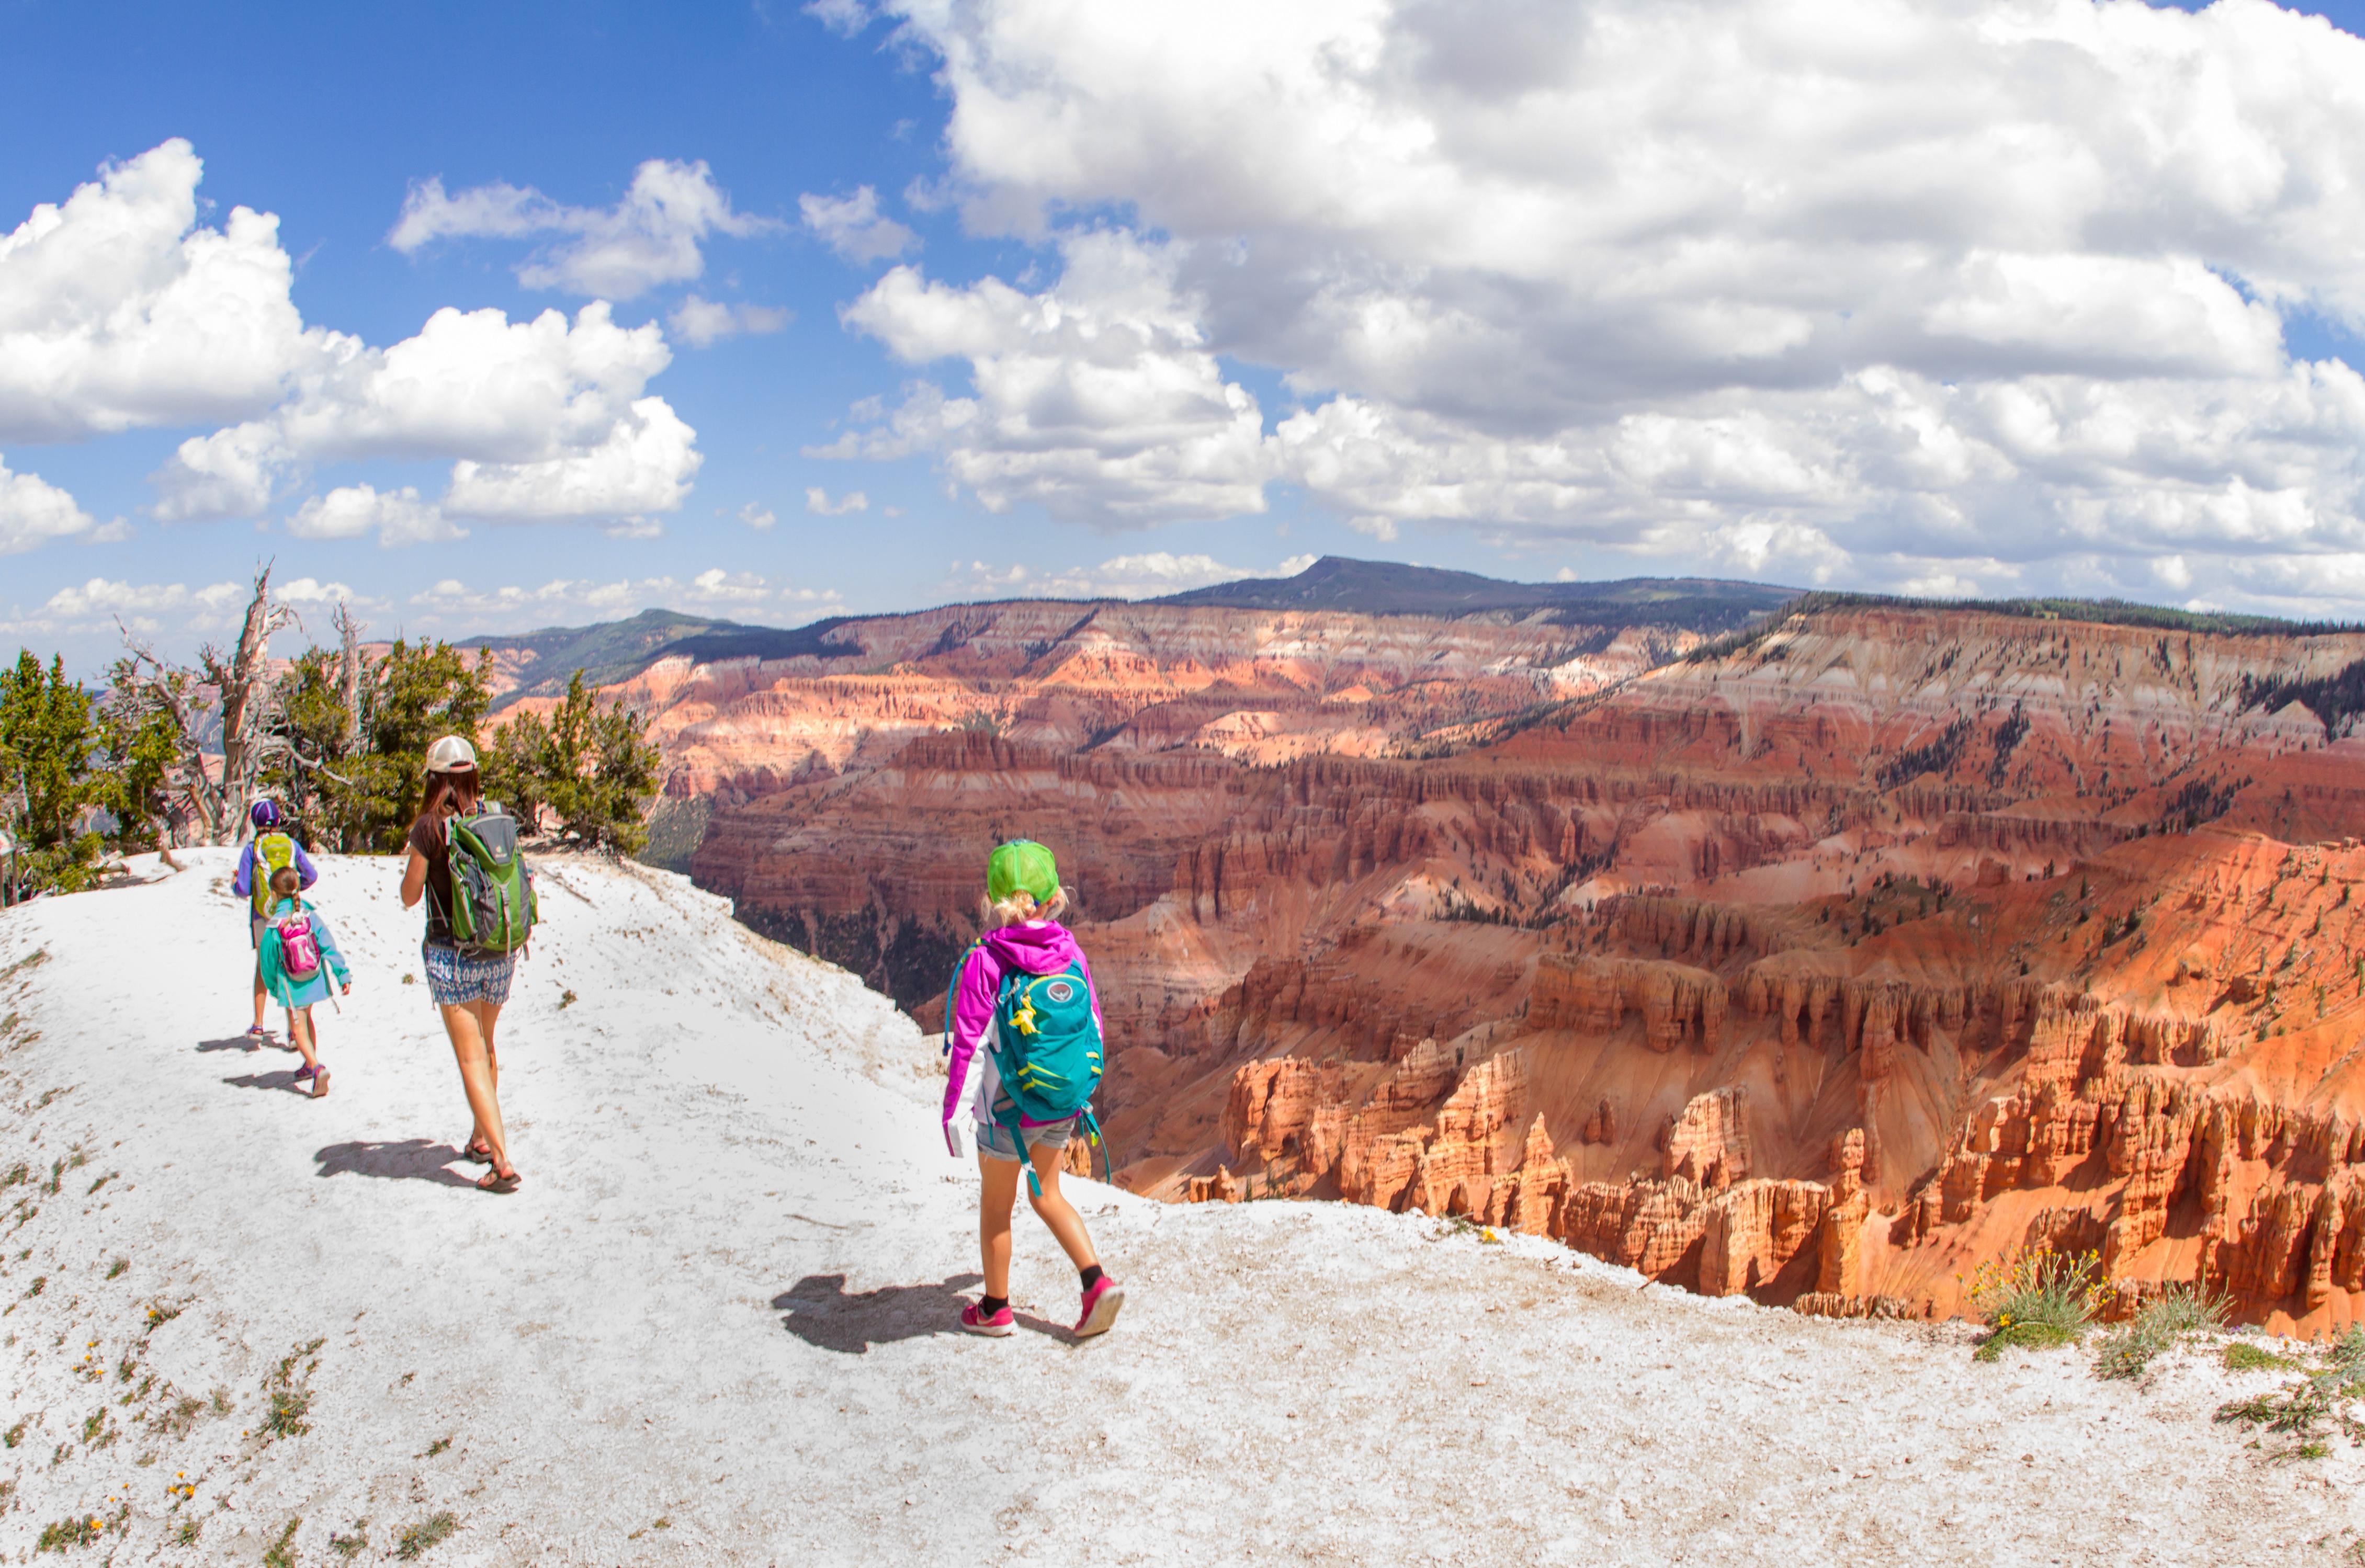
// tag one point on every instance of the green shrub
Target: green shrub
(2036, 1298)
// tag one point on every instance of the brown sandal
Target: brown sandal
(476, 1153)
(495, 1180)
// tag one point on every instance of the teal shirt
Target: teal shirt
(288, 991)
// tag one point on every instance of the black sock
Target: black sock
(1092, 1276)
(987, 1306)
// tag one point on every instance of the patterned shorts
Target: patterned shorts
(455, 979)
(993, 1139)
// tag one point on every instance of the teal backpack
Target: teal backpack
(1048, 1051)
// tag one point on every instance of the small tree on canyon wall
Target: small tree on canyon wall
(589, 765)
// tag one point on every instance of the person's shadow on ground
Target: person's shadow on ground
(411, 1159)
(822, 1315)
(284, 1082)
(234, 1043)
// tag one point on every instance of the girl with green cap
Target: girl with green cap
(1023, 937)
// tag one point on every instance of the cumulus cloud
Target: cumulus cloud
(1147, 576)
(653, 236)
(1097, 399)
(95, 607)
(118, 310)
(701, 322)
(356, 511)
(852, 226)
(757, 517)
(1866, 294)
(34, 512)
(455, 607)
(817, 502)
(548, 419)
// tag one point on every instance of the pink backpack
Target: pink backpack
(299, 951)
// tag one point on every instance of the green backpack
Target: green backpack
(274, 852)
(493, 905)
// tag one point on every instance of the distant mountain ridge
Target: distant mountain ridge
(613, 651)
(1391, 587)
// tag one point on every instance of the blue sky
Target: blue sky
(1128, 266)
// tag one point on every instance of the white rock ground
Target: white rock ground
(717, 1325)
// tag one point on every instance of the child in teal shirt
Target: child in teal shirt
(299, 955)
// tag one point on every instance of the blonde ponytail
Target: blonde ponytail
(1020, 907)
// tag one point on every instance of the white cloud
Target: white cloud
(118, 311)
(701, 322)
(1992, 295)
(1097, 399)
(852, 226)
(817, 502)
(759, 518)
(95, 607)
(355, 512)
(652, 235)
(548, 418)
(456, 609)
(1147, 576)
(34, 512)
(843, 17)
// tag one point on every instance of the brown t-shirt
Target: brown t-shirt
(427, 838)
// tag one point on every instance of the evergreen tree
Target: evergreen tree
(46, 740)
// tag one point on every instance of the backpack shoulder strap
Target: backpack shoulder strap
(952, 992)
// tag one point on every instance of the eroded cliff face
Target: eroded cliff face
(1819, 969)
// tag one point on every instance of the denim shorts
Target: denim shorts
(455, 979)
(993, 1139)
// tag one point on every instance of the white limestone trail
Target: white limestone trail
(717, 1326)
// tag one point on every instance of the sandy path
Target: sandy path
(724, 1299)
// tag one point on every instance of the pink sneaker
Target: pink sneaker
(1001, 1323)
(1101, 1304)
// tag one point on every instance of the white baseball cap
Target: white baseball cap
(453, 753)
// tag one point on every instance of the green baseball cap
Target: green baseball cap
(1022, 865)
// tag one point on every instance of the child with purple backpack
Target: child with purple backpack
(301, 967)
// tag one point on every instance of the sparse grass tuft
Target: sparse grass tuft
(2312, 1408)
(414, 1541)
(565, 1000)
(282, 1552)
(438, 1446)
(350, 1546)
(116, 1270)
(57, 1536)
(2160, 1324)
(15, 1434)
(2241, 1357)
(290, 1400)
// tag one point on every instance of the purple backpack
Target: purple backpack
(299, 951)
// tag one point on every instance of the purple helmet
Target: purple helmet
(265, 813)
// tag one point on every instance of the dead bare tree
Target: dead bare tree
(348, 638)
(215, 800)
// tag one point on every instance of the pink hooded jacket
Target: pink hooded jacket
(1039, 948)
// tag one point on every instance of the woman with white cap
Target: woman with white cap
(468, 988)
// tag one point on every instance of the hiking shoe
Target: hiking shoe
(1001, 1323)
(256, 1036)
(304, 1072)
(1101, 1306)
(320, 1083)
